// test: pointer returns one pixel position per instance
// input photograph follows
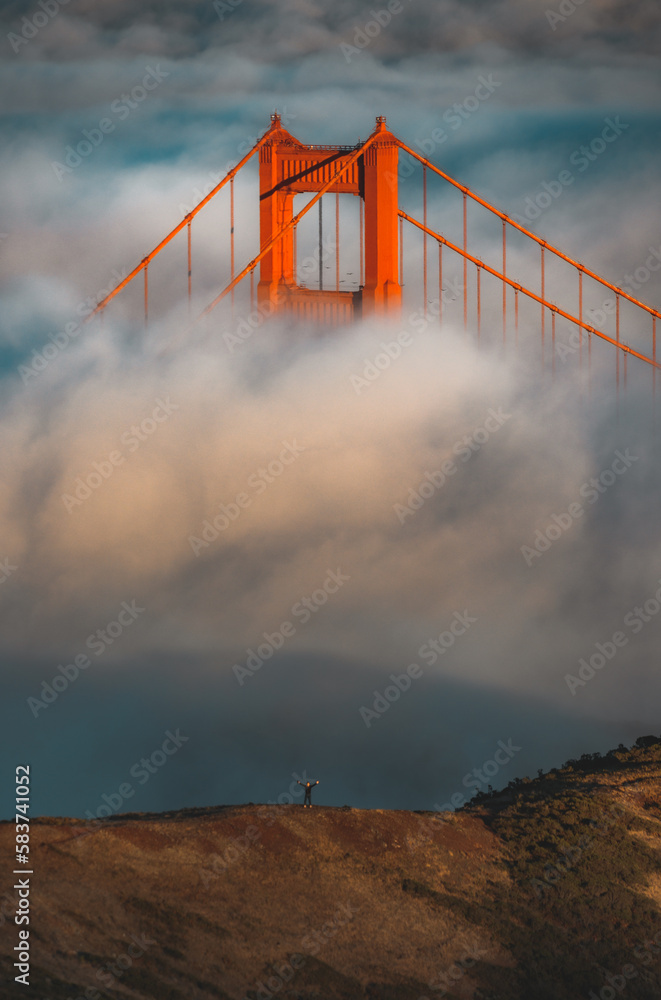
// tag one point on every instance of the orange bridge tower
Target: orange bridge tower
(286, 168)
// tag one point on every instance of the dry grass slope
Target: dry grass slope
(541, 891)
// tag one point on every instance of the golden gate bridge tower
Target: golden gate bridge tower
(369, 171)
(287, 168)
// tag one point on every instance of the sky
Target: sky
(174, 500)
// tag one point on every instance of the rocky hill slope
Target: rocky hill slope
(550, 889)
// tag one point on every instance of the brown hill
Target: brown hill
(551, 889)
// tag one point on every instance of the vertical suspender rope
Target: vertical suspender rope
(337, 241)
(440, 283)
(580, 316)
(543, 296)
(465, 264)
(654, 358)
(232, 236)
(295, 252)
(589, 365)
(617, 337)
(252, 288)
(479, 301)
(190, 270)
(146, 295)
(401, 250)
(516, 316)
(553, 342)
(504, 284)
(424, 241)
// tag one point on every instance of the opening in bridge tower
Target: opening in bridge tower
(287, 168)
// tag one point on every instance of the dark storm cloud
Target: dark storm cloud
(277, 30)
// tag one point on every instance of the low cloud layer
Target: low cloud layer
(227, 494)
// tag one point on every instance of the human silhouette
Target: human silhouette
(308, 786)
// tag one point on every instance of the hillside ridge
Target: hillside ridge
(543, 889)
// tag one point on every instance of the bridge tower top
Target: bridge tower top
(288, 167)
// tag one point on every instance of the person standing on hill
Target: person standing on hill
(308, 786)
